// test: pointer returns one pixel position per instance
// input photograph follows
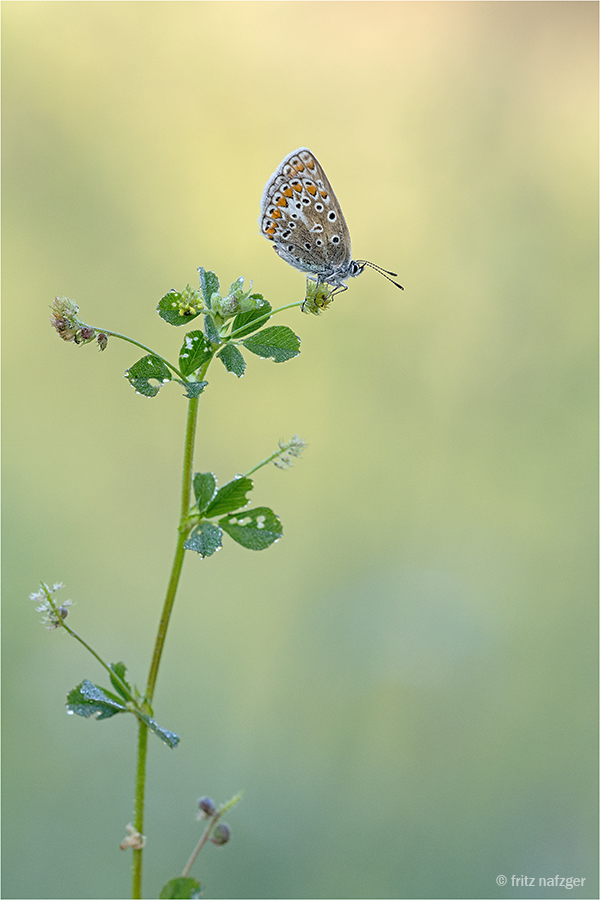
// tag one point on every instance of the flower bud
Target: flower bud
(221, 834)
(318, 297)
(206, 807)
(85, 335)
(65, 319)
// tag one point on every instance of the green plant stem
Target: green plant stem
(207, 832)
(258, 323)
(77, 637)
(123, 337)
(184, 528)
(138, 822)
(265, 462)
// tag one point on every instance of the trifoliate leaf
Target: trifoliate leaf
(205, 539)
(194, 352)
(231, 496)
(169, 737)
(180, 307)
(205, 488)
(278, 342)
(255, 529)
(247, 322)
(146, 369)
(88, 700)
(232, 359)
(180, 889)
(209, 284)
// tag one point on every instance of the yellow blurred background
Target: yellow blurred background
(405, 685)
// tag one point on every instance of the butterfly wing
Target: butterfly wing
(300, 214)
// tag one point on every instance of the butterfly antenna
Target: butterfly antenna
(384, 272)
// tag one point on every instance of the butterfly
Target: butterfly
(301, 215)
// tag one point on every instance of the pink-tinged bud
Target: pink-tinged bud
(68, 325)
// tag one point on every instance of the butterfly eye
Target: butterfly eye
(335, 239)
(306, 201)
(319, 207)
(331, 216)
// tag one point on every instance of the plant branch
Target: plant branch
(207, 832)
(77, 637)
(138, 821)
(123, 337)
(259, 322)
(186, 488)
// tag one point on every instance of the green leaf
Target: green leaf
(247, 322)
(237, 285)
(179, 308)
(232, 359)
(209, 284)
(119, 669)
(205, 539)
(180, 889)
(205, 488)
(87, 700)
(194, 352)
(140, 373)
(255, 529)
(278, 342)
(211, 331)
(169, 737)
(231, 496)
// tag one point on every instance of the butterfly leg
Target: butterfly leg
(338, 289)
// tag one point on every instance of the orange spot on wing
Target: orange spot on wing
(311, 189)
(276, 214)
(282, 202)
(288, 191)
(323, 194)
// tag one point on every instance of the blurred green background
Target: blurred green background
(405, 685)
